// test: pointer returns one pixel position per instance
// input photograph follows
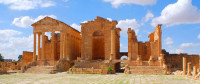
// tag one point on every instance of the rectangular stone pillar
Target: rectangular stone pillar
(184, 65)
(64, 44)
(194, 71)
(112, 55)
(53, 44)
(67, 46)
(43, 46)
(39, 49)
(189, 69)
(61, 44)
(129, 44)
(34, 48)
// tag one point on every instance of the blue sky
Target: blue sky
(180, 19)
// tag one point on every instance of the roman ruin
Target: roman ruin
(96, 50)
(63, 47)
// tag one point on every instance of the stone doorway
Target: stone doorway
(98, 46)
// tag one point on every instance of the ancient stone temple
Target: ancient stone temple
(100, 39)
(100, 43)
(64, 43)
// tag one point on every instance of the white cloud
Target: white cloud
(168, 41)
(77, 27)
(117, 3)
(148, 16)
(26, 21)
(110, 19)
(189, 45)
(6, 34)
(129, 23)
(84, 22)
(27, 4)
(181, 12)
(198, 36)
(176, 50)
(13, 45)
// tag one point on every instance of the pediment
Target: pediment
(46, 21)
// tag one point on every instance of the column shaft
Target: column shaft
(189, 69)
(64, 45)
(61, 45)
(43, 45)
(67, 47)
(34, 49)
(39, 51)
(53, 44)
(194, 71)
(112, 43)
(184, 65)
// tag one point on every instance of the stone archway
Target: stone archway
(98, 51)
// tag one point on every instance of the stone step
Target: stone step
(40, 69)
(146, 67)
(148, 70)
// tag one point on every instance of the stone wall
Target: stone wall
(175, 61)
(26, 58)
(5, 66)
(142, 50)
(96, 39)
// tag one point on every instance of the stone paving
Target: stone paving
(61, 78)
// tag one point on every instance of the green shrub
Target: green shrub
(110, 70)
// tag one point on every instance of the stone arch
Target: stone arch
(98, 51)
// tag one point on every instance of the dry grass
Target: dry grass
(61, 78)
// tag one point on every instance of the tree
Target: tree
(19, 57)
(1, 58)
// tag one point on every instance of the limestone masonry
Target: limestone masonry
(96, 50)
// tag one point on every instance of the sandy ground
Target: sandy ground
(63, 78)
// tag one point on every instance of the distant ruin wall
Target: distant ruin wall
(26, 58)
(175, 61)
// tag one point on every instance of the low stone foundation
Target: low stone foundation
(90, 67)
(63, 65)
(89, 71)
(3, 72)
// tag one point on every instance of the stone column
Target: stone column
(112, 43)
(43, 43)
(53, 44)
(139, 60)
(161, 59)
(194, 71)
(129, 44)
(67, 46)
(151, 61)
(64, 44)
(189, 69)
(39, 49)
(61, 44)
(184, 65)
(34, 48)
